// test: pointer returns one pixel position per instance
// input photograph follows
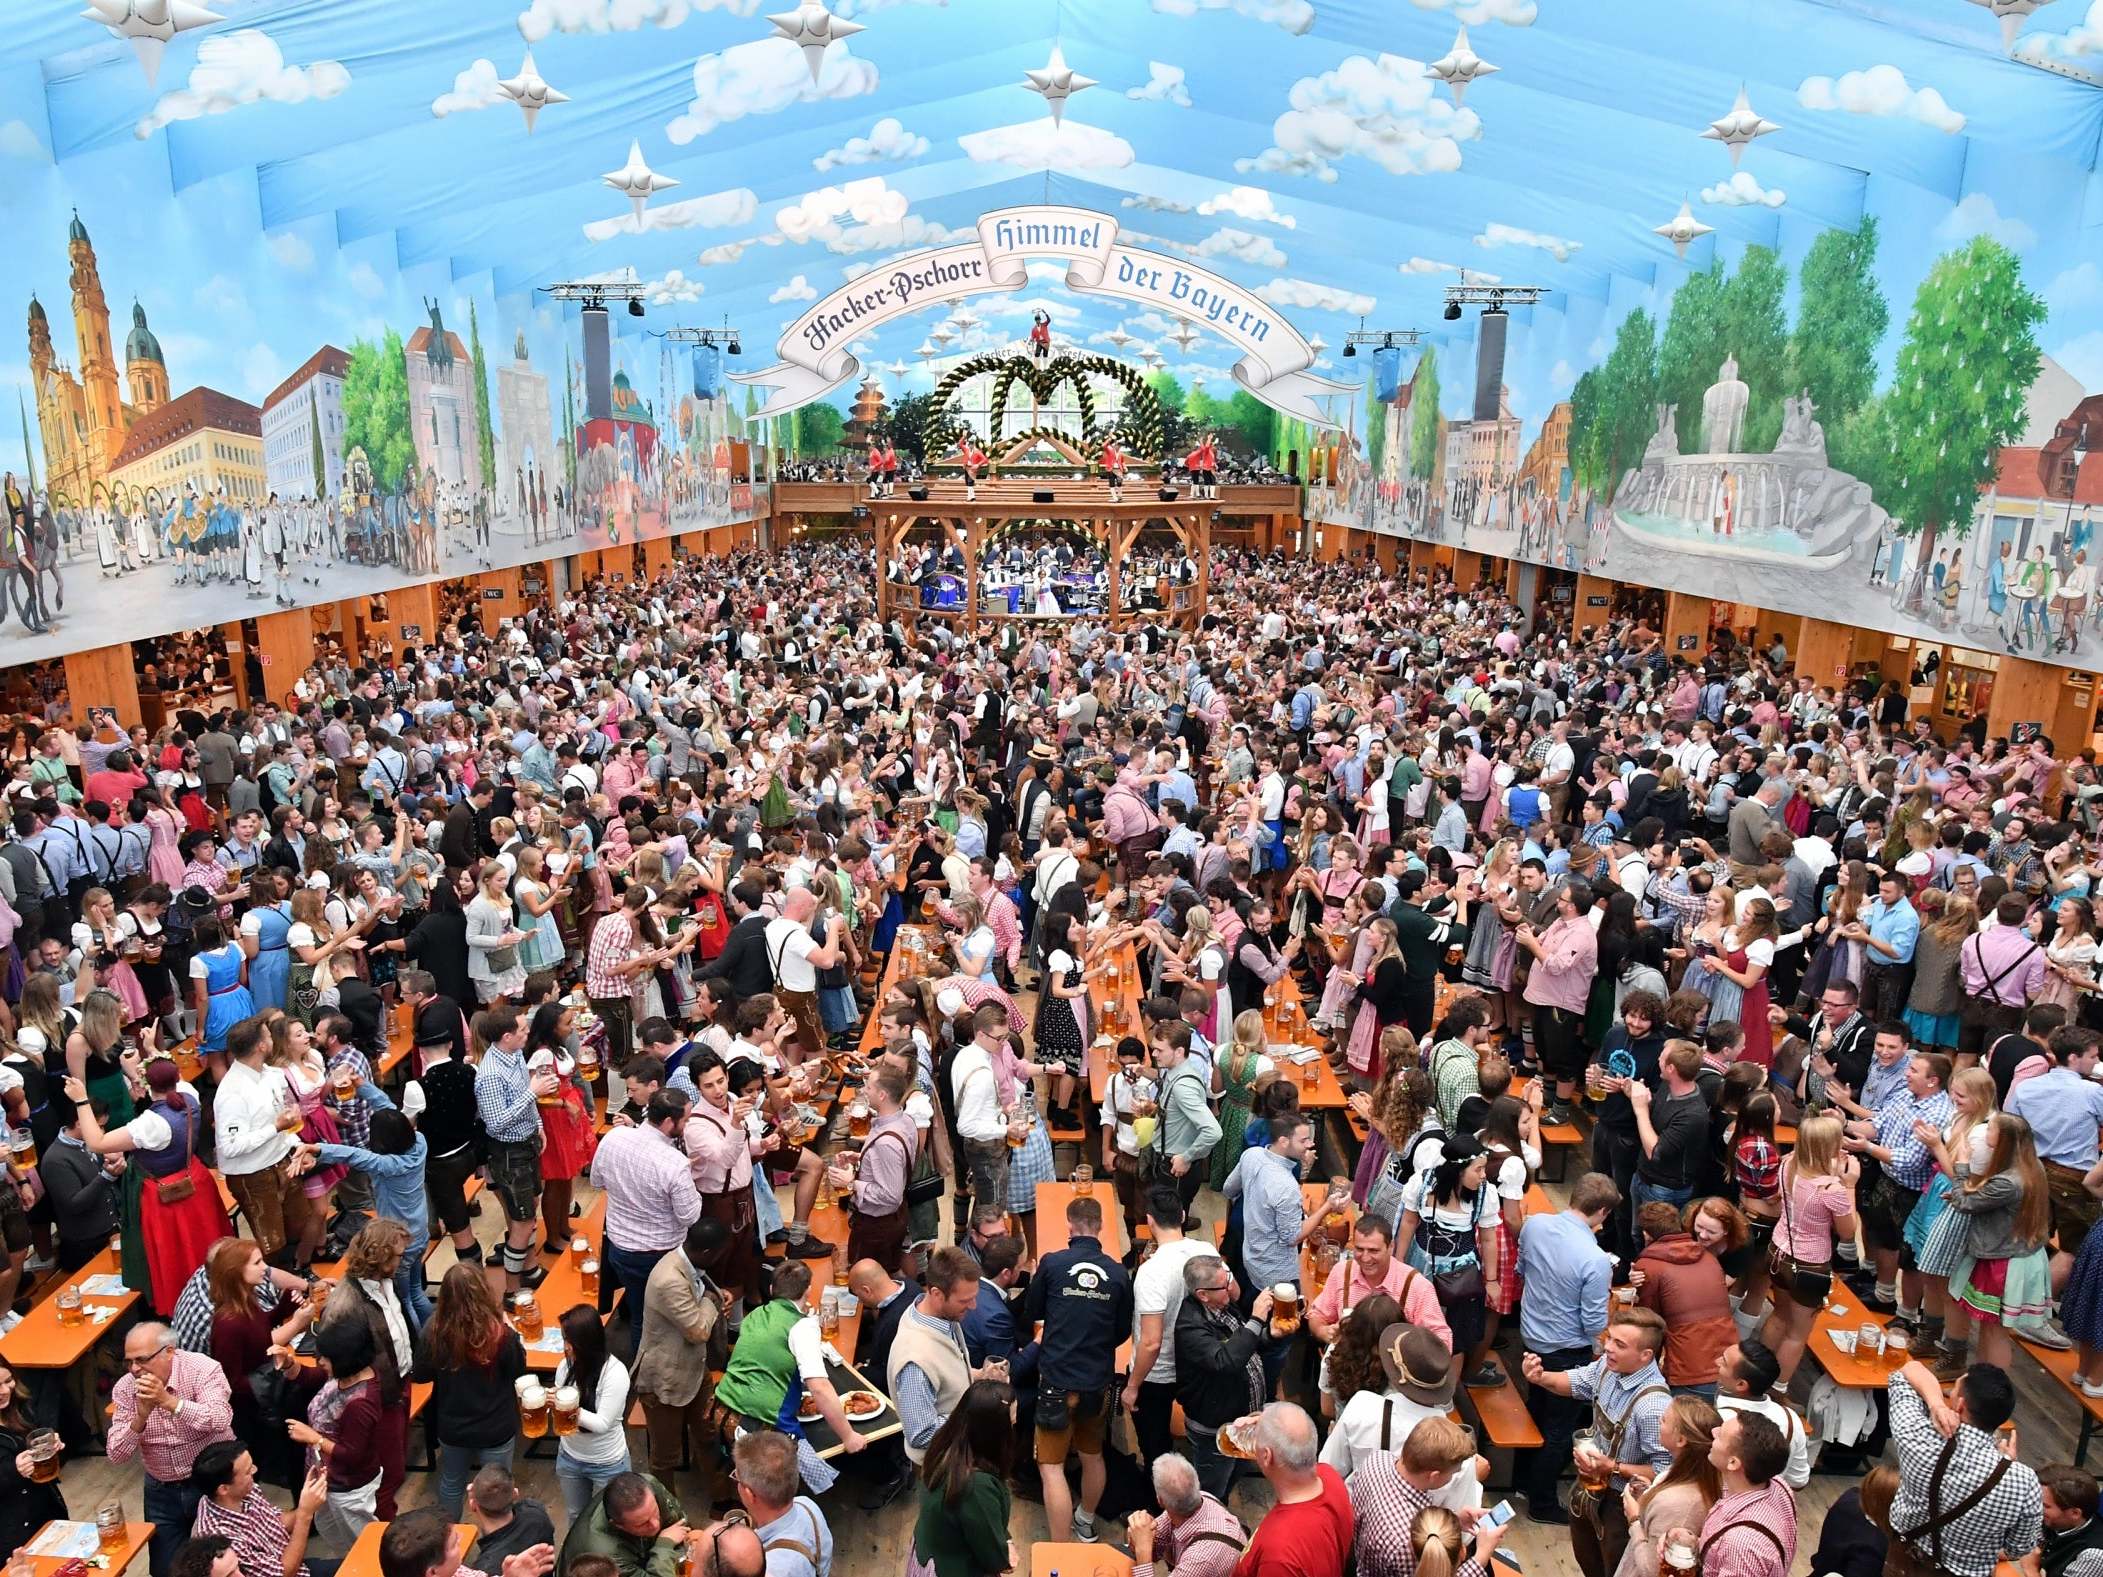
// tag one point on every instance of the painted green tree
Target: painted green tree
(1716, 316)
(1375, 427)
(376, 409)
(906, 425)
(319, 459)
(1841, 317)
(819, 428)
(485, 434)
(1613, 409)
(1256, 422)
(1424, 416)
(1964, 375)
(569, 425)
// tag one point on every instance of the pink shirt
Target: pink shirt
(1805, 1230)
(167, 1442)
(1420, 1299)
(1562, 971)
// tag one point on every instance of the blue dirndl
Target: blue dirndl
(888, 923)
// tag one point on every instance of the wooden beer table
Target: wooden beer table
(41, 1342)
(362, 1559)
(1052, 1200)
(1078, 1560)
(136, 1537)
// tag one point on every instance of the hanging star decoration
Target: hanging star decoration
(1683, 228)
(2011, 13)
(813, 29)
(1460, 66)
(1739, 128)
(529, 90)
(1118, 337)
(149, 24)
(1057, 82)
(636, 181)
(1184, 336)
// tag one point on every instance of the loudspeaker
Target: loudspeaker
(917, 494)
(598, 365)
(1170, 494)
(1042, 495)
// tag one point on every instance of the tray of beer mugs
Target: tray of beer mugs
(868, 1410)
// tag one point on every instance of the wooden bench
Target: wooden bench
(2062, 1366)
(1503, 1422)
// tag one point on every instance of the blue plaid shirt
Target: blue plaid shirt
(504, 1097)
(1911, 1163)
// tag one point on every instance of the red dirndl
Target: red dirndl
(568, 1142)
(178, 1236)
(1508, 1286)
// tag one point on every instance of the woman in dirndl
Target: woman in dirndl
(180, 1215)
(1060, 1034)
(1032, 1164)
(294, 1054)
(1937, 1234)
(99, 941)
(265, 927)
(2008, 1205)
(568, 1139)
(1337, 993)
(1383, 987)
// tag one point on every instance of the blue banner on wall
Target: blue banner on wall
(708, 371)
(1387, 373)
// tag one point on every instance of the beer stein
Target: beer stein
(525, 1314)
(109, 1526)
(22, 1150)
(44, 1449)
(1311, 1072)
(839, 1266)
(1675, 1558)
(587, 1061)
(70, 1312)
(1285, 1309)
(533, 1411)
(858, 1120)
(345, 1081)
(588, 1274)
(567, 1404)
(1083, 1180)
(580, 1248)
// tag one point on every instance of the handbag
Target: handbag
(174, 1190)
(272, 1391)
(502, 960)
(1807, 1285)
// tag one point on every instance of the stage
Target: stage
(1068, 507)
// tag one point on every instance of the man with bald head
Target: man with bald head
(796, 956)
(167, 1406)
(1310, 1529)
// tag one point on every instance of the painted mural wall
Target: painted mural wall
(211, 422)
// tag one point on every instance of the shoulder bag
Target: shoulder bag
(1808, 1285)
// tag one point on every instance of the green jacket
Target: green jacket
(591, 1534)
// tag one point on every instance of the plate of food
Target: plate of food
(807, 1410)
(861, 1404)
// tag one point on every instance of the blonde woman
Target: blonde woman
(1935, 1233)
(1202, 967)
(538, 900)
(493, 939)
(1239, 1064)
(1818, 1209)
(2001, 1280)
(317, 960)
(1381, 987)
(1679, 1497)
(1935, 1005)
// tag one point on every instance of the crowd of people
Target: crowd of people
(1809, 990)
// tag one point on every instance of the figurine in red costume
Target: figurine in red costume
(1203, 466)
(1040, 337)
(973, 459)
(883, 468)
(1114, 467)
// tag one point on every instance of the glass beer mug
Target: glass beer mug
(70, 1312)
(526, 1314)
(567, 1404)
(533, 1411)
(858, 1120)
(588, 1273)
(1285, 1309)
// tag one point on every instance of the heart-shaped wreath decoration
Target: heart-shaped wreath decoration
(1140, 427)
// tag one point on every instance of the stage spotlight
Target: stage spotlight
(1453, 312)
(635, 307)
(1170, 494)
(917, 494)
(1042, 495)
(735, 348)
(1350, 349)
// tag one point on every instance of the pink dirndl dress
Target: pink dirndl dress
(1336, 993)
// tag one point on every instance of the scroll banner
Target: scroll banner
(1274, 360)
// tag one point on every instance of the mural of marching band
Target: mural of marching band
(397, 459)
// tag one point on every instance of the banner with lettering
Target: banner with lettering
(1274, 360)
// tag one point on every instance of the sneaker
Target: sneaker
(1488, 1377)
(1551, 1515)
(1084, 1527)
(1556, 1114)
(2047, 1334)
(810, 1248)
(37, 1264)
(2088, 1387)
(776, 1238)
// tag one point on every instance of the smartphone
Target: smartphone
(1498, 1515)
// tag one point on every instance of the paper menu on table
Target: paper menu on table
(66, 1541)
(106, 1285)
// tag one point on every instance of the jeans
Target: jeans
(630, 1269)
(1153, 1419)
(1643, 1192)
(1616, 1156)
(766, 1202)
(171, 1508)
(457, 1464)
(1558, 1418)
(579, 1481)
(1215, 1471)
(409, 1282)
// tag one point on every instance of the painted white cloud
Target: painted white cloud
(1048, 145)
(728, 252)
(1426, 265)
(1977, 215)
(1512, 13)
(1321, 298)
(1496, 235)
(713, 212)
(672, 287)
(1881, 91)
(473, 89)
(1562, 375)
(1383, 110)
(993, 308)
(2075, 290)
(288, 249)
(797, 289)
(1241, 246)
(2083, 38)
(1248, 202)
(763, 78)
(1164, 85)
(543, 17)
(261, 370)
(365, 280)
(242, 67)
(1295, 16)
(1155, 205)
(861, 216)
(18, 141)
(1743, 191)
(888, 142)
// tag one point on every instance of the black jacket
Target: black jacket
(460, 841)
(1212, 1372)
(878, 1333)
(743, 965)
(473, 1406)
(1084, 1298)
(83, 1195)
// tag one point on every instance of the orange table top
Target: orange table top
(363, 1557)
(564, 1287)
(40, 1342)
(1052, 1200)
(136, 1537)
(1855, 1371)
(1078, 1560)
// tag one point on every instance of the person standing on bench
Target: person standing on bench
(1566, 1275)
